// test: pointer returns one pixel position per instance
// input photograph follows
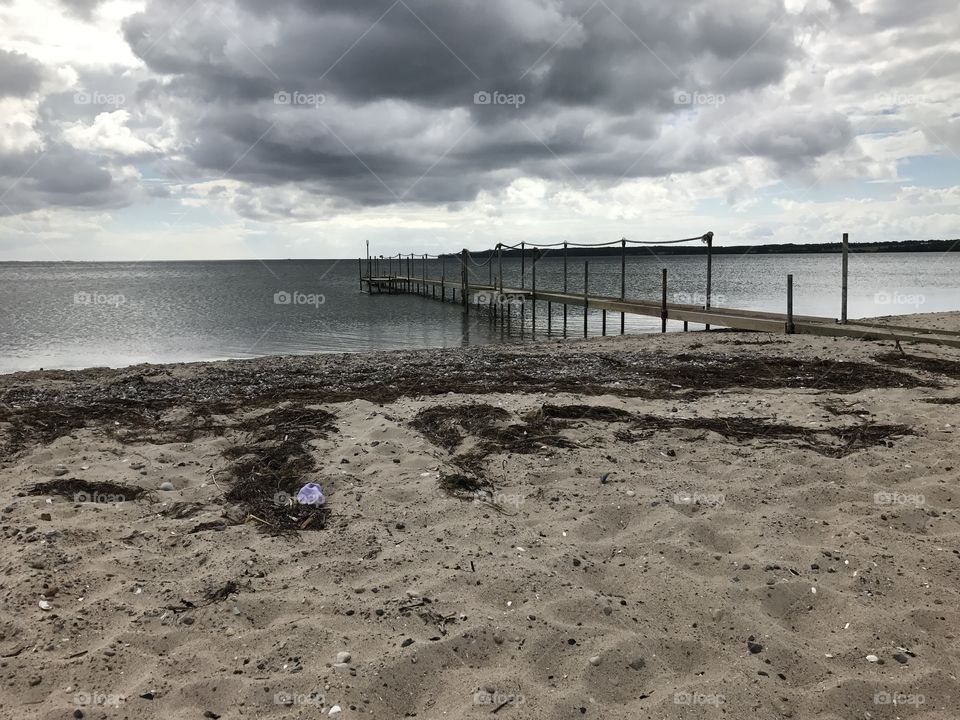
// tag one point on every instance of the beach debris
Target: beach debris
(311, 494)
(335, 711)
(167, 486)
(45, 605)
(343, 657)
(603, 478)
(89, 491)
(872, 658)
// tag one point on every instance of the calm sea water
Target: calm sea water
(74, 315)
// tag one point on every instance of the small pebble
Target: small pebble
(343, 657)
(166, 486)
(872, 658)
(595, 660)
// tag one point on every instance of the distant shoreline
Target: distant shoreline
(898, 246)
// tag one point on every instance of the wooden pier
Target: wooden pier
(396, 275)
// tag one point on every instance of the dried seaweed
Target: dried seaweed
(78, 490)
(272, 465)
(937, 366)
(831, 441)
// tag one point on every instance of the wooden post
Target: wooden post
(789, 304)
(369, 266)
(663, 302)
(443, 278)
(549, 317)
(360, 268)
(586, 279)
(565, 288)
(603, 323)
(843, 292)
(709, 239)
(500, 264)
(465, 280)
(533, 295)
(623, 280)
(523, 264)
(424, 273)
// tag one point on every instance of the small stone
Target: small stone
(59, 470)
(754, 647)
(44, 605)
(187, 620)
(46, 516)
(343, 657)
(630, 493)
(35, 680)
(167, 486)
(78, 714)
(900, 658)
(638, 663)
(400, 526)
(595, 660)
(335, 711)
(872, 658)
(407, 643)
(607, 610)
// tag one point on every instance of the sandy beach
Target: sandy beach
(692, 525)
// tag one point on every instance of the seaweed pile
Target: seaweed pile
(832, 441)
(271, 465)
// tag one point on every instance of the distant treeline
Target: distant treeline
(701, 249)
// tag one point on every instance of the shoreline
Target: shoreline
(616, 527)
(933, 321)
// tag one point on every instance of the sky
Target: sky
(205, 129)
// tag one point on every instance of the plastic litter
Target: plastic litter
(311, 494)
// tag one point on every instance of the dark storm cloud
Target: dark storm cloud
(399, 80)
(19, 75)
(57, 176)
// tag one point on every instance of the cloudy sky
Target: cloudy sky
(175, 129)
